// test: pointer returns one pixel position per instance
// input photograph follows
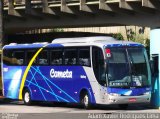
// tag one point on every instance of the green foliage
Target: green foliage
(140, 38)
(118, 36)
(131, 35)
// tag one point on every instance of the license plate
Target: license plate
(132, 99)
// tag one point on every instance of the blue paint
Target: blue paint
(43, 87)
(124, 45)
(29, 46)
(12, 81)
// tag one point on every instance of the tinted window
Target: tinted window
(70, 57)
(98, 65)
(56, 57)
(118, 55)
(84, 57)
(18, 58)
(7, 57)
(43, 58)
(30, 55)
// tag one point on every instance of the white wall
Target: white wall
(155, 41)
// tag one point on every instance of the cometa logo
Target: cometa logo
(60, 74)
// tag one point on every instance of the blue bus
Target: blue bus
(86, 70)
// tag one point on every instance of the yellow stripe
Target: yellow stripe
(27, 70)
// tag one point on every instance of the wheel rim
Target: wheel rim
(85, 100)
(27, 97)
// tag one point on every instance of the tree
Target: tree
(118, 36)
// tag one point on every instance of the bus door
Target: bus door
(99, 71)
(155, 99)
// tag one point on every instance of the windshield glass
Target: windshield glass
(127, 67)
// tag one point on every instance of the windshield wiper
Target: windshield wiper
(132, 67)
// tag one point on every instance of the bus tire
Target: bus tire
(85, 100)
(123, 106)
(27, 97)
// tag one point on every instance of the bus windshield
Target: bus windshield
(127, 67)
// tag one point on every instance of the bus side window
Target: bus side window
(18, 57)
(56, 57)
(7, 57)
(70, 57)
(98, 64)
(43, 58)
(84, 57)
(30, 55)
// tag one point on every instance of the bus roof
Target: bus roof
(84, 39)
(100, 41)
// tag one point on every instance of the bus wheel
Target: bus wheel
(85, 101)
(27, 97)
(123, 106)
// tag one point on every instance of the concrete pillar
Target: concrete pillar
(155, 56)
(1, 23)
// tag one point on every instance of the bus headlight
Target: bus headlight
(146, 93)
(114, 94)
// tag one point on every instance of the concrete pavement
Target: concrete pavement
(17, 110)
(19, 107)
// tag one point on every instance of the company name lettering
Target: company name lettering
(60, 74)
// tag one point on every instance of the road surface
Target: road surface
(43, 110)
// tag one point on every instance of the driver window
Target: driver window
(98, 65)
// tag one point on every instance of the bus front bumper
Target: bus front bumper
(129, 99)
